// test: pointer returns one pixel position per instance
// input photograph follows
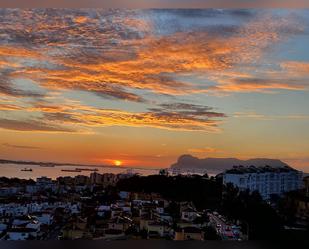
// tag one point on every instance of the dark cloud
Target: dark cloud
(31, 125)
(207, 13)
(190, 13)
(192, 117)
(188, 110)
(20, 146)
(220, 30)
(61, 116)
(7, 89)
(118, 93)
(39, 27)
(242, 12)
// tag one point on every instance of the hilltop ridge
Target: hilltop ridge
(220, 164)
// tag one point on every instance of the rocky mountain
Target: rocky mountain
(221, 164)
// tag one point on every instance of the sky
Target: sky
(145, 86)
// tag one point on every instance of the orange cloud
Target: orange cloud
(161, 118)
(77, 118)
(265, 117)
(80, 19)
(9, 107)
(296, 68)
(12, 51)
(258, 85)
(126, 55)
(119, 55)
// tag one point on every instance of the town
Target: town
(128, 206)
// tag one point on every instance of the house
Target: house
(22, 220)
(120, 223)
(115, 212)
(13, 210)
(45, 218)
(183, 224)
(124, 195)
(189, 233)
(123, 205)
(21, 234)
(75, 208)
(81, 180)
(5, 219)
(109, 179)
(9, 191)
(156, 228)
(160, 210)
(34, 225)
(67, 181)
(165, 217)
(126, 209)
(37, 207)
(103, 210)
(45, 183)
(32, 189)
(189, 214)
(79, 188)
(3, 227)
(5, 191)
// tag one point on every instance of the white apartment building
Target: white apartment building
(266, 180)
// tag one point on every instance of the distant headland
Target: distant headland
(221, 164)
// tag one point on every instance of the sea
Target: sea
(16, 170)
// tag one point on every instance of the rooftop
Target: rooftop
(253, 169)
(21, 230)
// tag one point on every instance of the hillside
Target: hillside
(221, 164)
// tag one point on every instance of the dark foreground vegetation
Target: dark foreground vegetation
(203, 192)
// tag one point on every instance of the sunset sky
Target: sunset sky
(142, 87)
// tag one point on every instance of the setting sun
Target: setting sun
(117, 163)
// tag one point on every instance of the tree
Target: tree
(204, 193)
(261, 219)
(210, 233)
(163, 172)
